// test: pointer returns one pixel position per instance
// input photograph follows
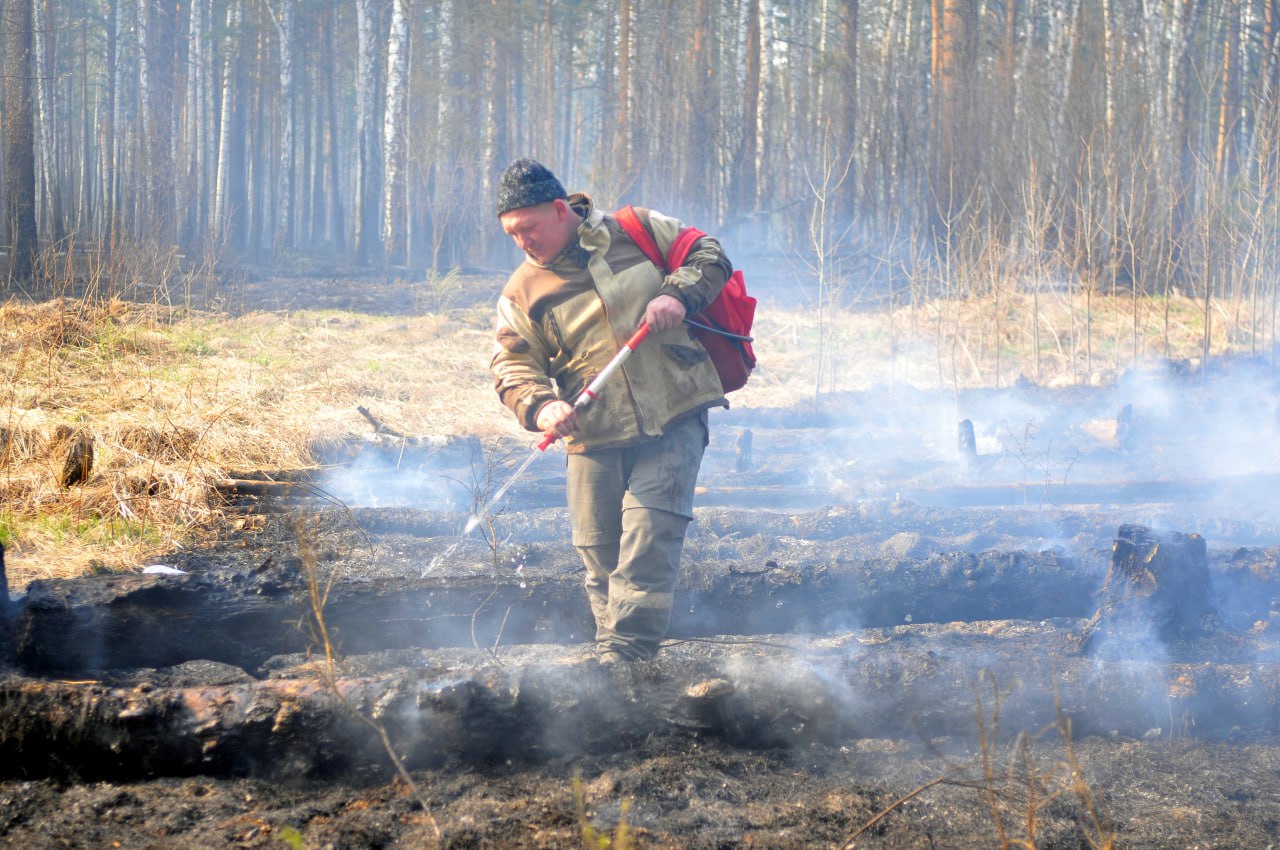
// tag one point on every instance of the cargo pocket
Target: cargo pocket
(685, 354)
(681, 366)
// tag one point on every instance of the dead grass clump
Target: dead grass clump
(172, 444)
(45, 326)
(19, 444)
(59, 324)
(137, 496)
(19, 495)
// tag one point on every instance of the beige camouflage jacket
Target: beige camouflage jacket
(560, 324)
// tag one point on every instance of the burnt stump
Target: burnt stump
(1157, 594)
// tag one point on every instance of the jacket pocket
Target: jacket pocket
(686, 355)
(683, 366)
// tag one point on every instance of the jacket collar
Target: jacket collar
(575, 255)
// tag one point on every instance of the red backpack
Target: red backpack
(724, 327)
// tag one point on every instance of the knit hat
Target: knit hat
(527, 183)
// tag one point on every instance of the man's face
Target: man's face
(541, 232)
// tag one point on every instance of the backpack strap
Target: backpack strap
(630, 221)
(640, 235)
(680, 248)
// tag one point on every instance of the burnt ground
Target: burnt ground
(871, 617)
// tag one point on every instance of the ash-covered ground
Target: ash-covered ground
(876, 644)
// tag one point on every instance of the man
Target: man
(634, 452)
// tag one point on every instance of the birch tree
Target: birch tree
(43, 41)
(283, 239)
(368, 160)
(226, 215)
(393, 131)
(198, 136)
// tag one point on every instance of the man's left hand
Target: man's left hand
(664, 313)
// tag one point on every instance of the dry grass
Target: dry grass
(174, 401)
(173, 404)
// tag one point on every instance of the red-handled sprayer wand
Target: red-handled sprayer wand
(588, 395)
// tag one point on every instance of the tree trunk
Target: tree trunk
(195, 197)
(368, 247)
(622, 138)
(952, 141)
(283, 239)
(701, 107)
(155, 48)
(1226, 154)
(393, 127)
(1183, 85)
(19, 141)
(44, 31)
(87, 205)
(337, 218)
(747, 165)
(846, 192)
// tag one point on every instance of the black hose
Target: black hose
(719, 331)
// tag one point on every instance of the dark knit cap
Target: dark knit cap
(527, 183)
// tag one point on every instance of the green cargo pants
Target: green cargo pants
(630, 508)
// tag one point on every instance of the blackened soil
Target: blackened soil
(701, 794)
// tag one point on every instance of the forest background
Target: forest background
(1108, 144)
(952, 193)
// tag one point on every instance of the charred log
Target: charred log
(285, 490)
(540, 703)
(111, 622)
(404, 451)
(1157, 593)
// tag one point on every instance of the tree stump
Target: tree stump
(1156, 593)
(6, 643)
(79, 462)
(967, 443)
(1126, 438)
(743, 462)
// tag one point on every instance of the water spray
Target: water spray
(584, 398)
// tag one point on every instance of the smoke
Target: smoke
(1213, 426)
(381, 477)
(1048, 469)
(1156, 443)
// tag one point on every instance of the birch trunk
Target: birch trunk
(145, 128)
(283, 239)
(393, 130)
(43, 43)
(195, 192)
(367, 248)
(748, 181)
(86, 205)
(221, 193)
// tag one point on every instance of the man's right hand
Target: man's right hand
(558, 417)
